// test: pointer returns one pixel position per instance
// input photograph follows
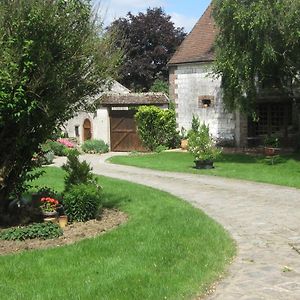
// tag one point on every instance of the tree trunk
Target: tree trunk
(13, 167)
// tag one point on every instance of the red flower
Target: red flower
(48, 204)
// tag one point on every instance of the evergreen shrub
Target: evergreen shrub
(83, 202)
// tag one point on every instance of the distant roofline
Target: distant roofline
(149, 98)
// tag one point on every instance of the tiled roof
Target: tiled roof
(134, 99)
(198, 45)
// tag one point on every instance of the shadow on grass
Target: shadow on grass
(295, 156)
(238, 158)
(275, 160)
(114, 201)
(253, 159)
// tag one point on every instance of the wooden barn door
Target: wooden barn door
(123, 132)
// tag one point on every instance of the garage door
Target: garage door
(123, 132)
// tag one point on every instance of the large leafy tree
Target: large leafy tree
(257, 48)
(52, 58)
(149, 39)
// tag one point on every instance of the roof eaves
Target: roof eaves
(190, 62)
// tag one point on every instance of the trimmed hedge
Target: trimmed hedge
(157, 127)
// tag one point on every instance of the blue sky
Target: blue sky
(185, 13)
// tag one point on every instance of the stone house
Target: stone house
(195, 91)
(112, 119)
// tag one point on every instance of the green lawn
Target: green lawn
(284, 171)
(166, 250)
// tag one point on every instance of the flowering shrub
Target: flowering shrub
(48, 204)
(66, 143)
(201, 144)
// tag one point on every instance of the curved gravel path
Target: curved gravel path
(263, 219)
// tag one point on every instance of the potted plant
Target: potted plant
(271, 145)
(203, 148)
(49, 206)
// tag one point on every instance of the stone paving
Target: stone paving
(263, 219)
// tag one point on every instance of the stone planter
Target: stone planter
(50, 214)
(50, 219)
(204, 164)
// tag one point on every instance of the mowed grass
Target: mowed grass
(284, 171)
(166, 250)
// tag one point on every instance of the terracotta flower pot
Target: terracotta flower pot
(270, 151)
(63, 221)
(184, 144)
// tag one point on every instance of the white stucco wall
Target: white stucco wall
(99, 122)
(191, 82)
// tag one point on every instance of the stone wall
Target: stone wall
(196, 92)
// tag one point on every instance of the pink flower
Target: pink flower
(66, 143)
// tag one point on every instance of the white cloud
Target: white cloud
(183, 21)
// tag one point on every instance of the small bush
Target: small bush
(43, 231)
(45, 157)
(56, 147)
(95, 146)
(271, 141)
(201, 144)
(67, 151)
(48, 158)
(77, 172)
(45, 147)
(46, 192)
(195, 124)
(83, 202)
(161, 148)
(157, 127)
